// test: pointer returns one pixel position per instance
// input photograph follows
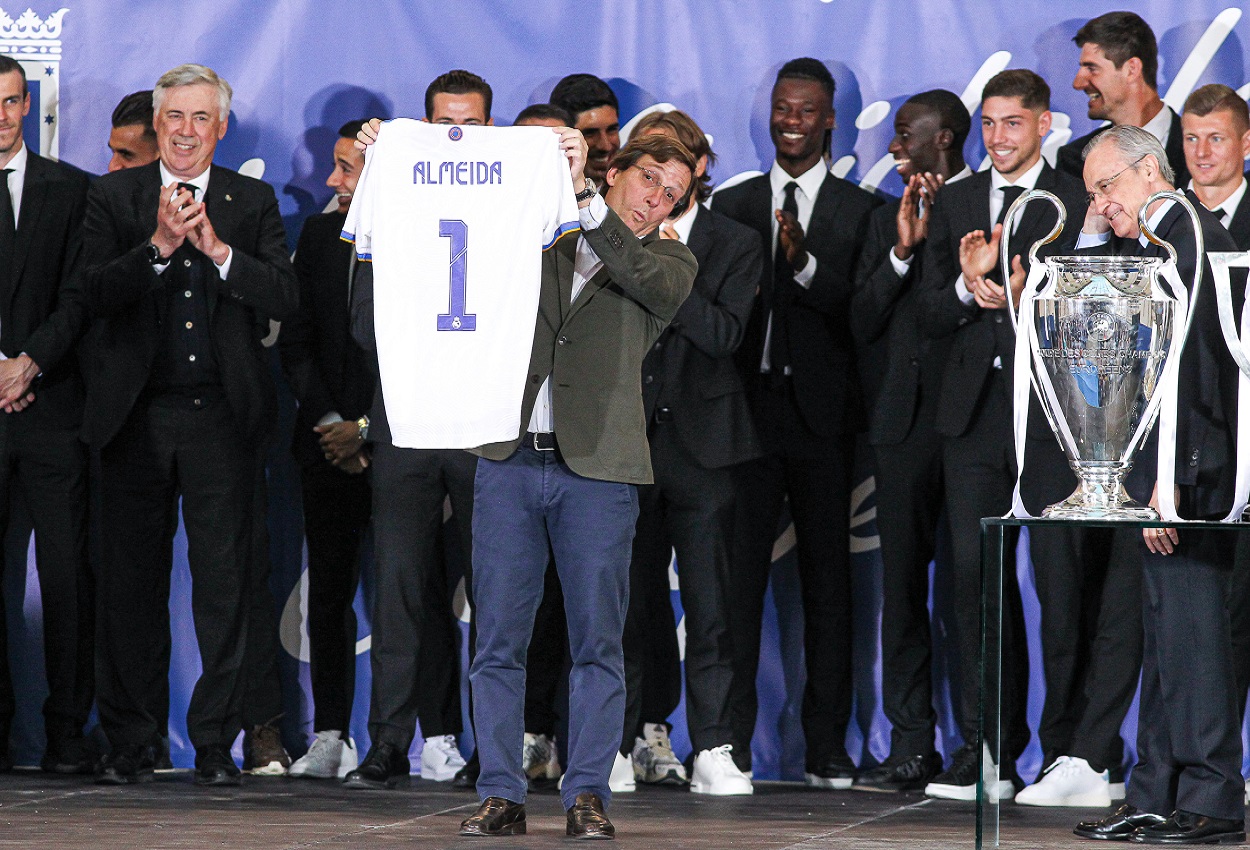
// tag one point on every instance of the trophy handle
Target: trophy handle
(1221, 262)
(1199, 246)
(1004, 251)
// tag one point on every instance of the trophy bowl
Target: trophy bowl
(1101, 343)
(1099, 338)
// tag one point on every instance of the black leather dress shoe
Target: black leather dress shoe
(67, 756)
(384, 767)
(496, 816)
(215, 767)
(586, 819)
(1189, 828)
(466, 777)
(1118, 825)
(126, 766)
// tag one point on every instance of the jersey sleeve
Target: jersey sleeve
(358, 228)
(562, 216)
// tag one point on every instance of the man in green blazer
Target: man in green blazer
(566, 483)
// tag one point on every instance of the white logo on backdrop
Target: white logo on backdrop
(36, 44)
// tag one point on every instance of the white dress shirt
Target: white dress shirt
(901, 267)
(809, 183)
(1027, 181)
(17, 180)
(1227, 208)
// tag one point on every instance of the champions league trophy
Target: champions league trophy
(1104, 336)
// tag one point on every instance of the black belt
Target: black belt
(542, 441)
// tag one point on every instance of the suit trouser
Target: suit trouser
(262, 700)
(168, 449)
(1239, 619)
(409, 488)
(49, 467)
(528, 506)
(1188, 735)
(818, 486)
(544, 663)
(336, 515)
(909, 507)
(1088, 584)
(979, 467)
(689, 508)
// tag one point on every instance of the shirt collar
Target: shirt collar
(18, 163)
(967, 172)
(1027, 181)
(809, 181)
(1161, 125)
(200, 182)
(1154, 220)
(685, 224)
(1229, 205)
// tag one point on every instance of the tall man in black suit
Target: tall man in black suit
(963, 298)
(699, 428)
(1216, 125)
(1186, 787)
(929, 134)
(186, 263)
(333, 382)
(42, 316)
(797, 363)
(409, 489)
(1118, 70)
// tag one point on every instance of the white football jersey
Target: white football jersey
(455, 220)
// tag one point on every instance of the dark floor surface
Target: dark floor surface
(71, 813)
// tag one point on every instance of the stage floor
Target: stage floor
(71, 813)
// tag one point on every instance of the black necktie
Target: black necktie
(783, 281)
(193, 189)
(8, 237)
(1010, 195)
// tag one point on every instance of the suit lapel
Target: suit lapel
(1037, 220)
(34, 193)
(1239, 227)
(219, 200)
(825, 208)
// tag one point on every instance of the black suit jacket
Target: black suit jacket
(125, 294)
(45, 313)
(1206, 437)
(977, 335)
(325, 367)
(822, 350)
(886, 309)
(1239, 227)
(1070, 158)
(690, 370)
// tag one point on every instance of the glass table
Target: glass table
(994, 534)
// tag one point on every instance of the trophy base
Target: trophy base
(1101, 495)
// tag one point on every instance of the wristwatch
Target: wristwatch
(154, 254)
(363, 424)
(587, 193)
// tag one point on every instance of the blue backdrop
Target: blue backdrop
(300, 68)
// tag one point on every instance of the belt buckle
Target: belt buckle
(549, 435)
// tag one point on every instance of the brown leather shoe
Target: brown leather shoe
(496, 816)
(587, 820)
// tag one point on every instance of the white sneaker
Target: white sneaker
(622, 777)
(440, 758)
(540, 759)
(329, 756)
(1069, 782)
(715, 773)
(1248, 792)
(959, 781)
(655, 763)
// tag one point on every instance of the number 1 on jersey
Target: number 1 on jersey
(457, 319)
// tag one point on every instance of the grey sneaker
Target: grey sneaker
(654, 760)
(540, 761)
(329, 757)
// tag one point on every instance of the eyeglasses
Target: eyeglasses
(672, 194)
(1103, 186)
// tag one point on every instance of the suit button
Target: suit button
(564, 340)
(915, 361)
(187, 294)
(199, 402)
(186, 263)
(998, 320)
(648, 379)
(188, 326)
(534, 379)
(1194, 456)
(658, 346)
(192, 358)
